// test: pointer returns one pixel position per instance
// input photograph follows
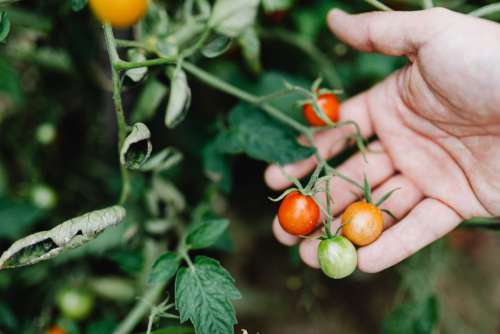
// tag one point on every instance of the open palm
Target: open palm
(438, 126)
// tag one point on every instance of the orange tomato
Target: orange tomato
(119, 13)
(56, 330)
(330, 106)
(298, 214)
(362, 223)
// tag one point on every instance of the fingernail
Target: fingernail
(333, 12)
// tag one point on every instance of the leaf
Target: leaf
(276, 5)
(164, 268)
(207, 233)
(233, 17)
(163, 160)
(155, 23)
(179, 98)
(136, 147)
(17, 217)
(260, 137)
(136, 74)
(203, 294)
(7, 318)
(217, 45)
(216, 166)
(492, 223)
(129, 260)
(174, 330)
(70, 234)
(413, 318)
(151, 96)
(4, 26)
(77, 5)
(250, 44)
(168, 193)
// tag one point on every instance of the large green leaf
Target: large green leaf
(203, 294)
(164, 268)
(260, 137)
(413, 318)
(207, 233)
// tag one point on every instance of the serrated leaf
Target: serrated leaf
(233, 17)
(217, 45)
(136, 74)
(419, 317)
(260, 137)
(77, 5)
(164, 268)
(70, 234)
(179, 98)
(4, 26)
(136, 147)
(206, 233)
(250, 44)
(203, 294)
(149, 100)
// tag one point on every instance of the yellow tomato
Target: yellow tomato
(119, 13)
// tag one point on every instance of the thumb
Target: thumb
(392, 33)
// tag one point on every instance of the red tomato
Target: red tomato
(56, 330)
(328, 103)
(298, 214)
(362, 223)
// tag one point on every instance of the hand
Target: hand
(438, 126)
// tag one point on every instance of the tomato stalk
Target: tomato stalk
(379, 5)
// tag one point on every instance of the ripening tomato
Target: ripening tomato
(56, 330)
(337, 257)
(330, 106)
(298, 214)
(119, 13)
(362, 223)
(75, 304)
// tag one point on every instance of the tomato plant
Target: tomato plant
(298, 214)
(329, 105)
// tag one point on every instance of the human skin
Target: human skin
(438, 126)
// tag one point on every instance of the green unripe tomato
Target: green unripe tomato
(75, 304)
(43, 196)
(337, 257)
(45, 133)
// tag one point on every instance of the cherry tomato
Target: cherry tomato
(56, 330)
(119, 13)
(298, 214)
(337, 257)
(75, 304)
(330, 106)
(362, 223)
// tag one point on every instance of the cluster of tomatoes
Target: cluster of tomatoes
(361, 223)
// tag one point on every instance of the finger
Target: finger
(282, 236)
(329, 143)
(399, 204)
(428, 221)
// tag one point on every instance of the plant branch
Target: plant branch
(427, 4)
(486, 10)
(379, 5)
(120, 116)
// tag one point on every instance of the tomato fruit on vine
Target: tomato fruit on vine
(330, 106)
(56, 330)
(337, 257)
(298, 214)
(75, 304)
(119, 13)
(362, 223)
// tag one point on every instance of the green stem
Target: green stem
(379, 5)
(120, 116)
(328, 226)
(427, 4)
(307, 47)
(127, 65)
(486, 10)
(199, 43)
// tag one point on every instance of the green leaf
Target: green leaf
(179, 98)
(136, 74)
(164, 268)
(4, 26)
(250, 44)
(10, 83)
(413, 318)
(17, 217)
(113, 288)
(217, 45)
(260, 137)
(148, 102)
(163, 160)
(276, 5)
(136, 147)
(7, 318)
(233, 17)
(216, 166)
(102, 325)
(77, 5)
(492, 223)
(206, 233)
(70, 234)
(155, 23)
(203, 294)
(129, 260)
